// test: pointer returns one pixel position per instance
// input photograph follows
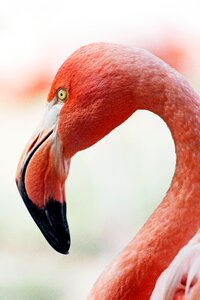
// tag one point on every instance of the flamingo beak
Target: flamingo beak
(41, 175)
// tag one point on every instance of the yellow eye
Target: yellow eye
(62, 94)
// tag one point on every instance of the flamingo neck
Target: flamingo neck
(179, 106)
(133, 273)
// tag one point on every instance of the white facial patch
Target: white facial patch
(50, 118)
(51, 115)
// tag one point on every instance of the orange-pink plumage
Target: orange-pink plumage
(106, 84)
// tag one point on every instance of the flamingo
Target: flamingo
(96, 89)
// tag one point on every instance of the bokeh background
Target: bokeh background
(114, 186)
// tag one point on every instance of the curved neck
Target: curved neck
(179, 106)
(132, 275)
(167, 94)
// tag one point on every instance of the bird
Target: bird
(97, 88)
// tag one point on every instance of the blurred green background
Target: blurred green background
(113, 186)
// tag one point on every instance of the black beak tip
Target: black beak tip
(55, 228)
(61, 246)
(51, 220)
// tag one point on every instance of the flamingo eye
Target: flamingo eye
(62, 94)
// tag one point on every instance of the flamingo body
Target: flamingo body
(181, 280)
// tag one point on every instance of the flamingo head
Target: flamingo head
(89, 97)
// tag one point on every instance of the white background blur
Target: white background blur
(113, 186)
